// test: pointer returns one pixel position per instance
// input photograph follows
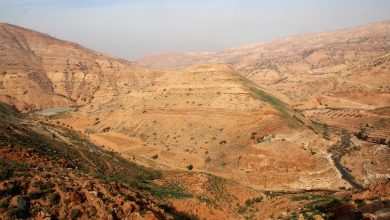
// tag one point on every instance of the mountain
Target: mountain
(345, 63)
(339, 78)
(40, 71)
(207, 116)
(213, 119)
(85, 135)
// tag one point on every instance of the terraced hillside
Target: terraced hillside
(211, 118)
(338, 80)
(350, 63)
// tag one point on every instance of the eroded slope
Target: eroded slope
(40, 71)
(210, 117)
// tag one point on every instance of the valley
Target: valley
(287, 129)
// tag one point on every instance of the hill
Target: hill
(115, 140)
(346, 63)
(50, 171)
(213, 119)
(338, 79)
(41, 71)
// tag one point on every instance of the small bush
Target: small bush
(4, 206)
(75, 213)
(190, 167)
(252, 201)
(223, 142)
(17, 213)
(54, 198)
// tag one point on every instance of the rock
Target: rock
(77, 198)
(118, 201)
(368, 202)
(19, 202)
(90, 187)
(120, 214)
(91, 211)
(318, 217)
(94, 193)
(7, 185)
(43, 215)
(150, 216)
(130, 207)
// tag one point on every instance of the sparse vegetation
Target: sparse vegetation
(168, 191)
(252, 201)
(326, 133)
(276, 103)
(52, 170)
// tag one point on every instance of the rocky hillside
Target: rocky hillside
(40, 71)
(50, 171)
(306, 137)
(339, 80)
(346, 63)
(214, 120)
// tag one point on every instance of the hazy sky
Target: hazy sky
(135, 28)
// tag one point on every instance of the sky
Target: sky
(132, 29)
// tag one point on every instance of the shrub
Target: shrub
(190, 167)
(346, 139)
(17, 213)
(54, 198)
(250, 202)
(4, 206)
(75, 213)
(107, 129)
(223, 142)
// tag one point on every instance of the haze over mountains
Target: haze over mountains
(306, 65)
(231, 134)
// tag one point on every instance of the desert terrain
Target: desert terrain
(296, 128)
